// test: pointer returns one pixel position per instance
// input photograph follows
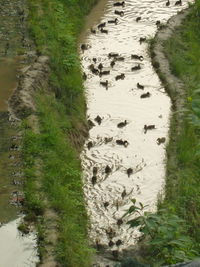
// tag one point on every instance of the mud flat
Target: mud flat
(137, 165)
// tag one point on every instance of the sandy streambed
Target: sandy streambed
(108, 195)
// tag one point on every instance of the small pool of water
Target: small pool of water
(8, 80)
(17, 250)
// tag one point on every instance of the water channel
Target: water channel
(16, 249)
(119, 139)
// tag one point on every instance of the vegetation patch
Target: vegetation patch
(54, 26)
(173, 234)
(182, 188)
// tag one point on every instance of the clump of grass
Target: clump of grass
(183, 173)
(55, 26)
(182, 197)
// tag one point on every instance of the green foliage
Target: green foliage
(54, 25)
(60, 180)
(128, 262)
(165, 235)
(183, 173)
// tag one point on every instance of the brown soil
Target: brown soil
(173, 85)
(32, 78)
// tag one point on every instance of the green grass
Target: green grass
(55, 26)
(182, 196)
(182, 189)
(60, 181)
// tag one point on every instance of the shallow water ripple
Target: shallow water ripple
(119, 102)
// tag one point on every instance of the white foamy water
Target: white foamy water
(122, 101)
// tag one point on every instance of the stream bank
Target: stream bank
(53, 135)
(53, 183)
(15, 52)
(101, 103)
(178, 49)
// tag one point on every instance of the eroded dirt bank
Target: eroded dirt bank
(19, 70)
(173, 85)
(108, 191)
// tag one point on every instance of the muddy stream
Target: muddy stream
(123, 159)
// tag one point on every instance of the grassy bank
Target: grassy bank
(54, 26)
(183, 187)
(175, 230)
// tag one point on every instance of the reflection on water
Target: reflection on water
(7, 169)
(8, 80)
(109, 190)
(17, 250)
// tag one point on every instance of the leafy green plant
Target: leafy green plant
(164, 234)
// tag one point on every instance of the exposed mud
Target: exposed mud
(134, 153)
(15, 53)
(8, 80)
(33, 77)
(174, 86)
(9, 170)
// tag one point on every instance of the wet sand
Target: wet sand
(119, 102)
